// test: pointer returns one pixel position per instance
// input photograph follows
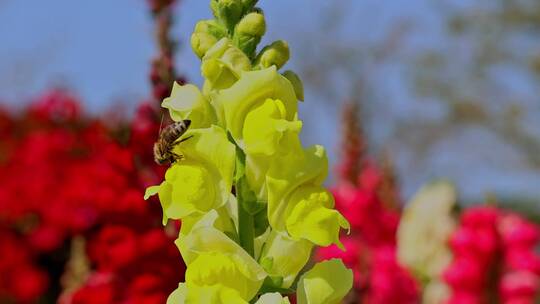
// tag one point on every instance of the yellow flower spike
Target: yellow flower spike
(287, 256)
(327, 282)
(273, 298)
(251, 90)
(214, 259)
(312, 217)
(187, 102)
(286, 174)
(222, 66)
(203, 179)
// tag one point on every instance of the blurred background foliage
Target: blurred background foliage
(454, 96)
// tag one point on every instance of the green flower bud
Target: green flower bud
(201, 43)
(276, 54)
(211, 27)
(227, 12)
(296, 82)
(205, 35)
(249, 31)
(253, 24)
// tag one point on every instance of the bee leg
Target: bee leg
(184, 139)
(176, 157)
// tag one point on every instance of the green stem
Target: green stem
(246, 226)
(246, 230)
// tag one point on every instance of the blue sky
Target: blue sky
(101, 49)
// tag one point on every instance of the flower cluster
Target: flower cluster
(520, 280)
(64, 176)
(21, 278)
(494, 258)
(250, 197)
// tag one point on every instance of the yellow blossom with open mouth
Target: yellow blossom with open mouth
(251, 90)
(202, 181)
(215, 261)
(284, 257)
(298, 204)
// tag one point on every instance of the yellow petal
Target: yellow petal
(178, 296)
(187, 102)
(326, 283)
(219, 219)
(151, 191)
(273, 298)
(287, 256)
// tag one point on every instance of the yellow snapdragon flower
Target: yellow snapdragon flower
(297, 202)
(285, 257)
(213, 259)
(251, 90)
(202, 181)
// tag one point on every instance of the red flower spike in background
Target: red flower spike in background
(366, 196)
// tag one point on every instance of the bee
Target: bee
(163, 147)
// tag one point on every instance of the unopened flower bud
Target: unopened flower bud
(276, 54)
(201, 43)
(205, 35)
(253, 24)
(211, 27)
(248, 33)
(296, 82)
